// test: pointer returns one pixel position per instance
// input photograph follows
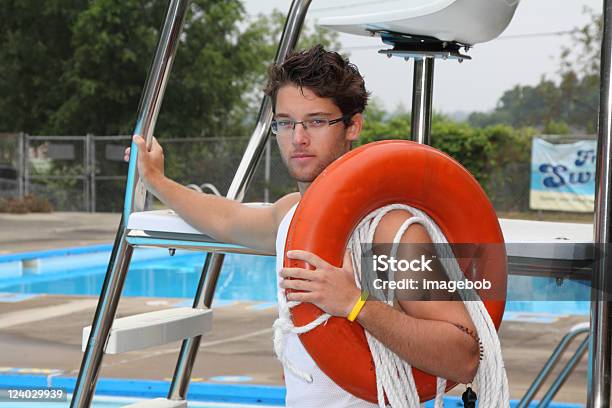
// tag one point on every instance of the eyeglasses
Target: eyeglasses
(286, 127)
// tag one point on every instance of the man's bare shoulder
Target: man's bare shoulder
(391, 222)
(284, 204)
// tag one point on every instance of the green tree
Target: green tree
(35, 51)
(76, 67)
(572, 100)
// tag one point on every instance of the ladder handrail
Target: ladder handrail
(246, 169)
(569, 337)
(151, 100)
(135, 195)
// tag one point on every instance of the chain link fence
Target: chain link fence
(11, 161)
(87, 173)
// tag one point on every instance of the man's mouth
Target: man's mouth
(302, 157)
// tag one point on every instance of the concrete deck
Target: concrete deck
(44, 332)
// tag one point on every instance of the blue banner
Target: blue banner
(563, 176)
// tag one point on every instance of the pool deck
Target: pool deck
(44, 332)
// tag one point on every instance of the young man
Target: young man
(318, 100)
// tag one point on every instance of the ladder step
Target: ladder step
(154, 328)
(158, 403)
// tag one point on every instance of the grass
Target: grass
(541, 215)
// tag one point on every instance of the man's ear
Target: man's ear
(354, 128)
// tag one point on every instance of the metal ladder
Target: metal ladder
(107, 335)
(558, 382)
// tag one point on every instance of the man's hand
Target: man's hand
(329, 288)
(150, 163)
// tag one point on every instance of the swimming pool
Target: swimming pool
(154, 273)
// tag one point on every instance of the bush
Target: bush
(498, 156)
(27, 204)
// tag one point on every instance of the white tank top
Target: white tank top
(322, 392)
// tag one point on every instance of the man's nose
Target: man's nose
(300, 136)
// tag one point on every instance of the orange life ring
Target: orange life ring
(361, 181)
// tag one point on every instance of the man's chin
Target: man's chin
(304, 177)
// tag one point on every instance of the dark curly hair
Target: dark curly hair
(326, 73)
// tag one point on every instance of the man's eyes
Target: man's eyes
(284, 123)
(317, 122)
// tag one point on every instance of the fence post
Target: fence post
(26, 164)
(92, 172)
(20, 165)
(87, 174)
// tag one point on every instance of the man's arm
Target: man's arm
(426, 335)
(223, 219)
(423, 333)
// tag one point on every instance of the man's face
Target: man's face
(308, 152)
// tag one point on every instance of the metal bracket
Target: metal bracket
(416, 46)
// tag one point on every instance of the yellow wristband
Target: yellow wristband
(358, 306)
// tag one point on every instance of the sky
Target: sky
(474, 85)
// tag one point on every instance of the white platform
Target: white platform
(529, 239)
(160, 221)
(547, 240)
(464, 21)
(165, 229)
(167, 221)
(154, 328)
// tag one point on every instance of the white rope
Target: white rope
(394, 375)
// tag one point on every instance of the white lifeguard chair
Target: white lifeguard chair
(466, 22)
(425, 30)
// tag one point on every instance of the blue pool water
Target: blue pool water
(153, 273)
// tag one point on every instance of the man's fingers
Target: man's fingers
(297, 284)
(309, 257)
(138, 139)
(300, 297)
(298, 273)
(155, 142)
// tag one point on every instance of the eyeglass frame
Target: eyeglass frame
(330, 122)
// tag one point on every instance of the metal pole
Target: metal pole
(151, 100)
(267, 173)
(103, 320)
(240, 182)
(422, 96)
(564, 374)
(598, 392)
(122, 252)
(551, 362)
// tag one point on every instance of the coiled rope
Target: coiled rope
(393, 374)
